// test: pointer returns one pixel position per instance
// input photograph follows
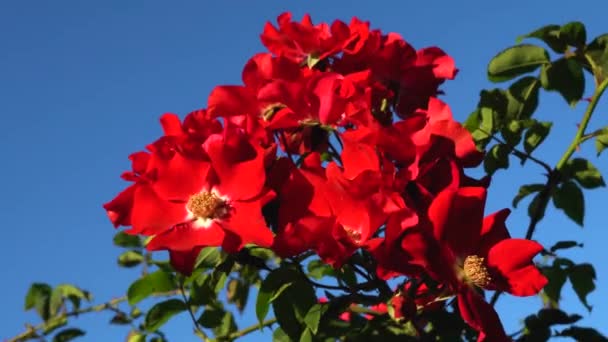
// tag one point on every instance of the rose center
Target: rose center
(206, 205)
(476, 272)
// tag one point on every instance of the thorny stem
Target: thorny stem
(554, 176)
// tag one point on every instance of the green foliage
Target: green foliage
(161, 312)
(38, 297)
(584, 173)
(566, 77)
(535, 135)
(122, 239)
(68, 335)
(130, 259)
(582, 278)
(565, 245)
(516, 61)
(156, 282)
(526, 190)
(569, 198)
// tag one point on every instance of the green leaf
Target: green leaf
(130, 259)
(122, 239)
(69, 292)
(582, 277)
(211, 317)
(280, 336)
(566, 77)
(226, 326)
(535, 208)
(511, 132)
(38, 297)
(553, 316)
(535, 135)
(237, 293)
(318, 269)
(272, 286)
(557, 278)
(583, 334)
(496, 158)
(135, 336)
(293, 304)
(68, 335)
(569, 198)
(306, 336)
(601, 142)
(208, 257)
(587, 175)
(523, 97)
(313, 317)
(597, 57)
(156, 282)
(120, 319)
(574, 34)
(161, 312)
(565, 245)
(515, 61)
(526, 190)
(549, 34)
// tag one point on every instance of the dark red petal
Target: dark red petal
(184, 261)
(481, 317)
(457, 218)
(511, 259)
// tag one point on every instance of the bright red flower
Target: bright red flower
(223, 196)
(476, 252)
(301, 40)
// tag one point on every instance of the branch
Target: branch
(32, 331)
(554, 176)
(251, 329)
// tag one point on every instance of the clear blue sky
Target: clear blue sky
(83, 83)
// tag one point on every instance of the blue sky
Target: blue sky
(83, 84)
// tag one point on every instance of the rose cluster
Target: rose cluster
(336, 141)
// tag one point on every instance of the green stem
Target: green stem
(583, 125)
(251, 329)
(554, 176)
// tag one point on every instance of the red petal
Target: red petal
(152, 215)
(481, 317)
(180, 177)
(247, 222)
(185, 237)
(238, 180)
(184, 261)
(493, 231)
(229, 101)
(511, 259)
(457, 218)
(171, 124)
(119, 209)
